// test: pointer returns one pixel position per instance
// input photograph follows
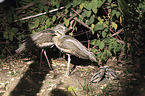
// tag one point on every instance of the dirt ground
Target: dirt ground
(28, 78)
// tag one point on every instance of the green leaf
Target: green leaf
(5, 35)
(11, 36)
(20, 37)
(91, 20)
(101, 45)
(104, 34)
(109, 1)
(114, 25)
(75, 3)
(92, 28)
(113, 12)
(66, 21)
(53, 18)
(48, 22)
(37, 23)
(68, 5)
(94, 50)
(118, 14)
(86, 13)
(95, 10)
(33, 31)
(31, 26)
(99, 4)
(99, 27)
(66, 11)
(81, 6)
(88, 5)
(14, 30)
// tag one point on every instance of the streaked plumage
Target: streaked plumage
(71, 45)
(41, 39)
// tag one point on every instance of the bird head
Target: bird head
(60, 30)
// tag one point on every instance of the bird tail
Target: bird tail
(21, 48)
(92, 57)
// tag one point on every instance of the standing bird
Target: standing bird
(70, 45)
(42, 39)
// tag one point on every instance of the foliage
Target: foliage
(104, 19)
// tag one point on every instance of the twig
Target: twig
(118, 32)
(39, 14)
(82, 23)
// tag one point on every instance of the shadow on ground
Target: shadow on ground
(32, 80)
(59, 92)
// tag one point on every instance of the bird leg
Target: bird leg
(68, 64)
(41, 57)
(45, 57)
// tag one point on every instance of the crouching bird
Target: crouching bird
(70, 45)
(42, 39)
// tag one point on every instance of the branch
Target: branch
(39, 14)
(82, 23)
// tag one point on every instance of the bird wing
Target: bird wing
(73, 46)
(42, 39)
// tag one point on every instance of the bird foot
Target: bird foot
(105, 72)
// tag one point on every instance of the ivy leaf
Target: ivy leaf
(101, 45)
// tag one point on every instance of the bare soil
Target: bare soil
(28, 78)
